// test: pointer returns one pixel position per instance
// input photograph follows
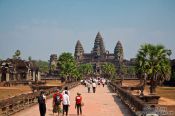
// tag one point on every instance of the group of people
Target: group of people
(60, 98)
(93, 83)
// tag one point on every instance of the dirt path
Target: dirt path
(101, 103)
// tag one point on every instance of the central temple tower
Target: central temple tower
(99, 55)
(99, 48)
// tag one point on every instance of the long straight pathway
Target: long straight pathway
(101, 103)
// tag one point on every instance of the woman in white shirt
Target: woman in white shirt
(66, 103)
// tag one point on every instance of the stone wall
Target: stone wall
(15, 104)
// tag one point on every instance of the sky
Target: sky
(39, 28)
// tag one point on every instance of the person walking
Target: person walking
(94, 86)
(42, 103)
(89, 87)
(103, 82)
(57, 98)
(78, 103)
(66, 103)
(66, 89)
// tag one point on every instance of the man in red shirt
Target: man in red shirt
(78, 100)
(57, 98)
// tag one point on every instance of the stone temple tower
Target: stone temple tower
(53, 62)
(99, 49)
(79, 51)
(118, 52)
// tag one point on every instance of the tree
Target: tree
(153, 61)
(169, 52)
(52, 67)
(43, 65)
(68, 66)
(30, 58)
(131, 71)
(85, 69)
(109, 70)
(17, 54)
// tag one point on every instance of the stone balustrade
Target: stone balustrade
(15, 104)
(134, 103)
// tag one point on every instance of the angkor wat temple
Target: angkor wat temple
(99, 55)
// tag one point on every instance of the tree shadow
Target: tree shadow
(124, 109)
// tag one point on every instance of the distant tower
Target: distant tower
(53, 62)
(118, 52)
(99, 49)
(79, 51)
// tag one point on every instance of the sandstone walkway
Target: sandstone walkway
(101, 103)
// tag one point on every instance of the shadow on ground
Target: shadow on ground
(124, 109)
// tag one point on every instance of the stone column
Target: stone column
(34, 75)
(28, 75)
(7, 77)
(39, 76)
(0, 77)
(14, 76)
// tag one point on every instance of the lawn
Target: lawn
(7, 92)
(167, 94)
(53, 82)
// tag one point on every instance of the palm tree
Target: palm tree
(169, 52)
(30, 58)
(109, 70)
(153, 61)
(17, 54)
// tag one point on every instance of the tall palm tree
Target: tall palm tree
(153, 60)
(18, 53)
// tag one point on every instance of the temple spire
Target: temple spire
(99, 45)
(79, 51)
(118, 52)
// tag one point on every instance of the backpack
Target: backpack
(57, 100)
(41, 100)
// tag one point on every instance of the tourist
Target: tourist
(78, 103)
(103, 82)
(66, 103)
(89, 87)
(57, 98)
(42, 103)
(94, 86)
(66, 89)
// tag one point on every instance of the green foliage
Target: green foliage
(131, 70)
(68, 67)
(85, 69)
(17, 54)
(173, 76)
(108, 69)
(53, 67)
(43, 65)
(30, 58)
(153, 60)
(123, 69)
